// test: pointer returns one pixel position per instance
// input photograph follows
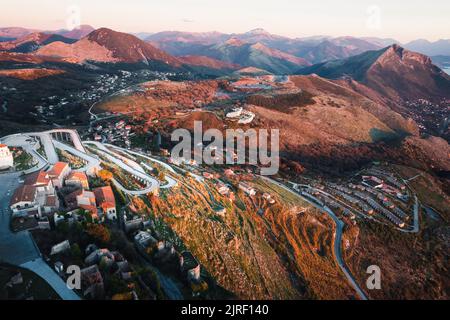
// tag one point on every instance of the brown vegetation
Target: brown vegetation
(30, 74)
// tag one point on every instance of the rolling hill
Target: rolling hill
(32, 42)
(106, 45)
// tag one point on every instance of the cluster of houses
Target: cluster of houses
(394, 187)
(96, 261)
(38, 196)
(165, 251)
(113, 132)
(368, 197)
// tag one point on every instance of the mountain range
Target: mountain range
(257, 48)
(13, 33)
(312, 49)
(437, 48)
(32, 42)
(394, 72)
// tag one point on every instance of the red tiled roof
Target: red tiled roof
(38, 178)
(74, 175)
(105, 197)
(23, 193)
(91, 209)
(57, 169)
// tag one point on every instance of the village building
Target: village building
(51, 204)
(92, 282)
(100, 255)
(37, 195)
(77, 179)
(86, 200)
(229, 173)
(106, 202)
(42, 182)
(247, 189)
(144, 239)
(190, 266)
(208, 175)
(58, 173)
(222, 188)
(269, 198)
(24, 199)
(60, 247)
(6, 157)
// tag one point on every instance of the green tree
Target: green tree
(76, 251)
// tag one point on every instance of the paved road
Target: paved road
(27, 143)
(15, 248)
(96, 117)
(153, 184)
(92, 163)
(19, 248)
(416, 215)
(74, 136)
(171, 182)
(337, 237)
(49, 148)
(338, 253)
(42, 269)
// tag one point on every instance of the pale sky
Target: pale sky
(403, 20)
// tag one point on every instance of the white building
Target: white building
(235, 113)
(6, 158)
(247, 189)
(58, 173)
(24, 199)
(247, 117)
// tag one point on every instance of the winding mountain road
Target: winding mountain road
(337, 237)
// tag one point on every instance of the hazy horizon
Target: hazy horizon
(383, 19)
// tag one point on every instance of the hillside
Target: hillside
(105, 45)
(255, 55)
(32, 42)
(207, 62)
(394, 72)
(30, 74)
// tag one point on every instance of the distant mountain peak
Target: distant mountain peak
(258, 31)
(394, 72)
(396, 51)
(83, 27)
(102, 32)
(78, 32)
(106, 45)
